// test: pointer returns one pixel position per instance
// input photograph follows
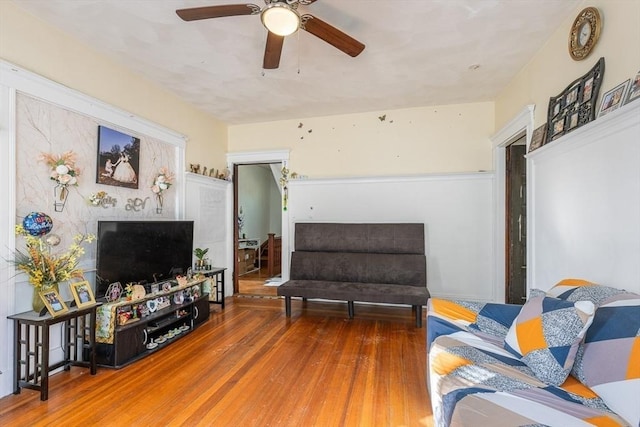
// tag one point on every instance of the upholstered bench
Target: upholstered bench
(377, 263)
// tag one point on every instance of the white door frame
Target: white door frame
(257, 157)
(521, 124)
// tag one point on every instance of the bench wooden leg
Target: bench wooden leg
(418, 311)
(351, 309)
(287, 306)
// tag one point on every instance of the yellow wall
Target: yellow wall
(38, 47)
(452, 138)
(551, 70)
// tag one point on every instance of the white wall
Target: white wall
(585, 204)
(208, 202)
(455, 208)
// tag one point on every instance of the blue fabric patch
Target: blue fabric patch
(560, 353)
(561, 393)
(566, 294)
(625, 319)
(437, 326)
(504, 314)
(551, 304)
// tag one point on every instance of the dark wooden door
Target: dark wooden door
(516, 215)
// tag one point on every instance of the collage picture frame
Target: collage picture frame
(576, 105)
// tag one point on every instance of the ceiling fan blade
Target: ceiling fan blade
(272, 51)
(331, 35)
(207, 12)
(306, 2)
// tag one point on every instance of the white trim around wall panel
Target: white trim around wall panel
(7, 234)
(455, 208)
(519, 125)
(585, 204)
(72, 100)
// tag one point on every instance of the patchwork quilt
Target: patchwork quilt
(475, 381)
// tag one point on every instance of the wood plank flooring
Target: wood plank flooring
(251, 366)
(254, 284)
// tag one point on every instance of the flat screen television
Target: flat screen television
(141, 252)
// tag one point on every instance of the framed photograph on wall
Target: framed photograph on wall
(118, 158)
(82, 294)
(576, 105)
(612, 100)
(634, 89)
(53, 302)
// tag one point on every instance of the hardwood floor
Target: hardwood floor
(251, 366)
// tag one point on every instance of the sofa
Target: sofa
(377, 263)
(569, 357)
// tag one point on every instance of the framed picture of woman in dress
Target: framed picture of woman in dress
(82, 294)
(53, 302)
(118, 158)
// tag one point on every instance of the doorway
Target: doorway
(516, 223)
(258, 229)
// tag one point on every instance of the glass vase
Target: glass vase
(159, 203)
(60, 194)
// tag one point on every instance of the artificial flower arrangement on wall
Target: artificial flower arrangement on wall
(64, 172)
(162, 182)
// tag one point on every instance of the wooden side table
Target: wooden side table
(31, 346)
(217, 275)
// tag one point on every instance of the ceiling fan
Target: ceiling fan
(281, 18)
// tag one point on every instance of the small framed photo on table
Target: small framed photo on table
(53, 302)
(82, 294)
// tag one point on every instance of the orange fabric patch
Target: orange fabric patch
(574, 282)
(602, 421)
(452, 310)
(530, 335)
(633, 370)
(445, 363)
(574, 386)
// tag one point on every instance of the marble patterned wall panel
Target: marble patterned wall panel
(44, 127)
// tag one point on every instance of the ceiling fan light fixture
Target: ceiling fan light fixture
(280, 19)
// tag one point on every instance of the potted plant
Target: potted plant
(200, 254)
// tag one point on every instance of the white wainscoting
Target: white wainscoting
(456, 209)
(209, 202)
(584, 204)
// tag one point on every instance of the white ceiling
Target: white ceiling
(418, 52)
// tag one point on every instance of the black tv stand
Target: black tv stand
(139, 337)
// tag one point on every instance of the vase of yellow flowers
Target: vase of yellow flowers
(45, 269)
